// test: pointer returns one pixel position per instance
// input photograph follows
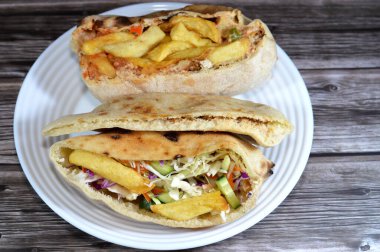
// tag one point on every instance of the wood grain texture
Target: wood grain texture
(336, 204)
(332, 36)
(332, 207)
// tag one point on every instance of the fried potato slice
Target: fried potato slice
(149, 66)
(166, 39)
(189, 53)
(137, 47)
(103, 65)
(187, 209)
(166, 26)
(159, 53)
(204, 27)
(180, 33)
(112, 170)
(230, 52)
(94, 46)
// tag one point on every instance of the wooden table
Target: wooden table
(336, 204)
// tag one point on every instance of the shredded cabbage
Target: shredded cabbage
(188, 168)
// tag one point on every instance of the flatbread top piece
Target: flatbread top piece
(120, 23)
(180, 112)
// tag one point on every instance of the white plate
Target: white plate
(53, 88)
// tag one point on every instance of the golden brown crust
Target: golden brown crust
(228, 79)
(157, 146)
(180, 112)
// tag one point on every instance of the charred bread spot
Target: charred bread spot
(178, 156)
(115, 137)
(97, 24)
(171, 136)
(137, 108)
(122, 21)
(166, 153)
(106, 153)
(270, 172)
(103, 113)
(143, 109)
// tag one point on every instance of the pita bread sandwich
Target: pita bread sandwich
(175, 51)
(173, 159)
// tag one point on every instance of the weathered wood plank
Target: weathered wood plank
(70, 6)
(332, 36)
(335, 206)
(346, 109)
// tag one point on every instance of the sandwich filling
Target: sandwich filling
(180, 42)
(179, 189)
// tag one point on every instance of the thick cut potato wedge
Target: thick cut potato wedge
(204, 27)
(189, 53)
(159, 53)
(94, 46)
(111, 169)
(180, 33)
(139, 46)
(103, 65)
(187, 209)
(230, 52)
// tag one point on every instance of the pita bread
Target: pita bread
(180, 112)
(157, 146)
(229, 79)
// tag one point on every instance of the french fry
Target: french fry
(137, 47)
(150, 66)
(94, 46)
(230, 52)
(166, 27)
(204, 27)
(112, 170)
(189, 208)
(166, 39)
(159, 53)
(103, 65)
(180, 33)
(189, 53)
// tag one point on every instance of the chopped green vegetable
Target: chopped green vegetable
(227, 191)
(154, 199)
(163, 168)
(165, 198)
(234, 34)
(144, 204)
(226, 162)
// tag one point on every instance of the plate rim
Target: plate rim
(62, 214)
